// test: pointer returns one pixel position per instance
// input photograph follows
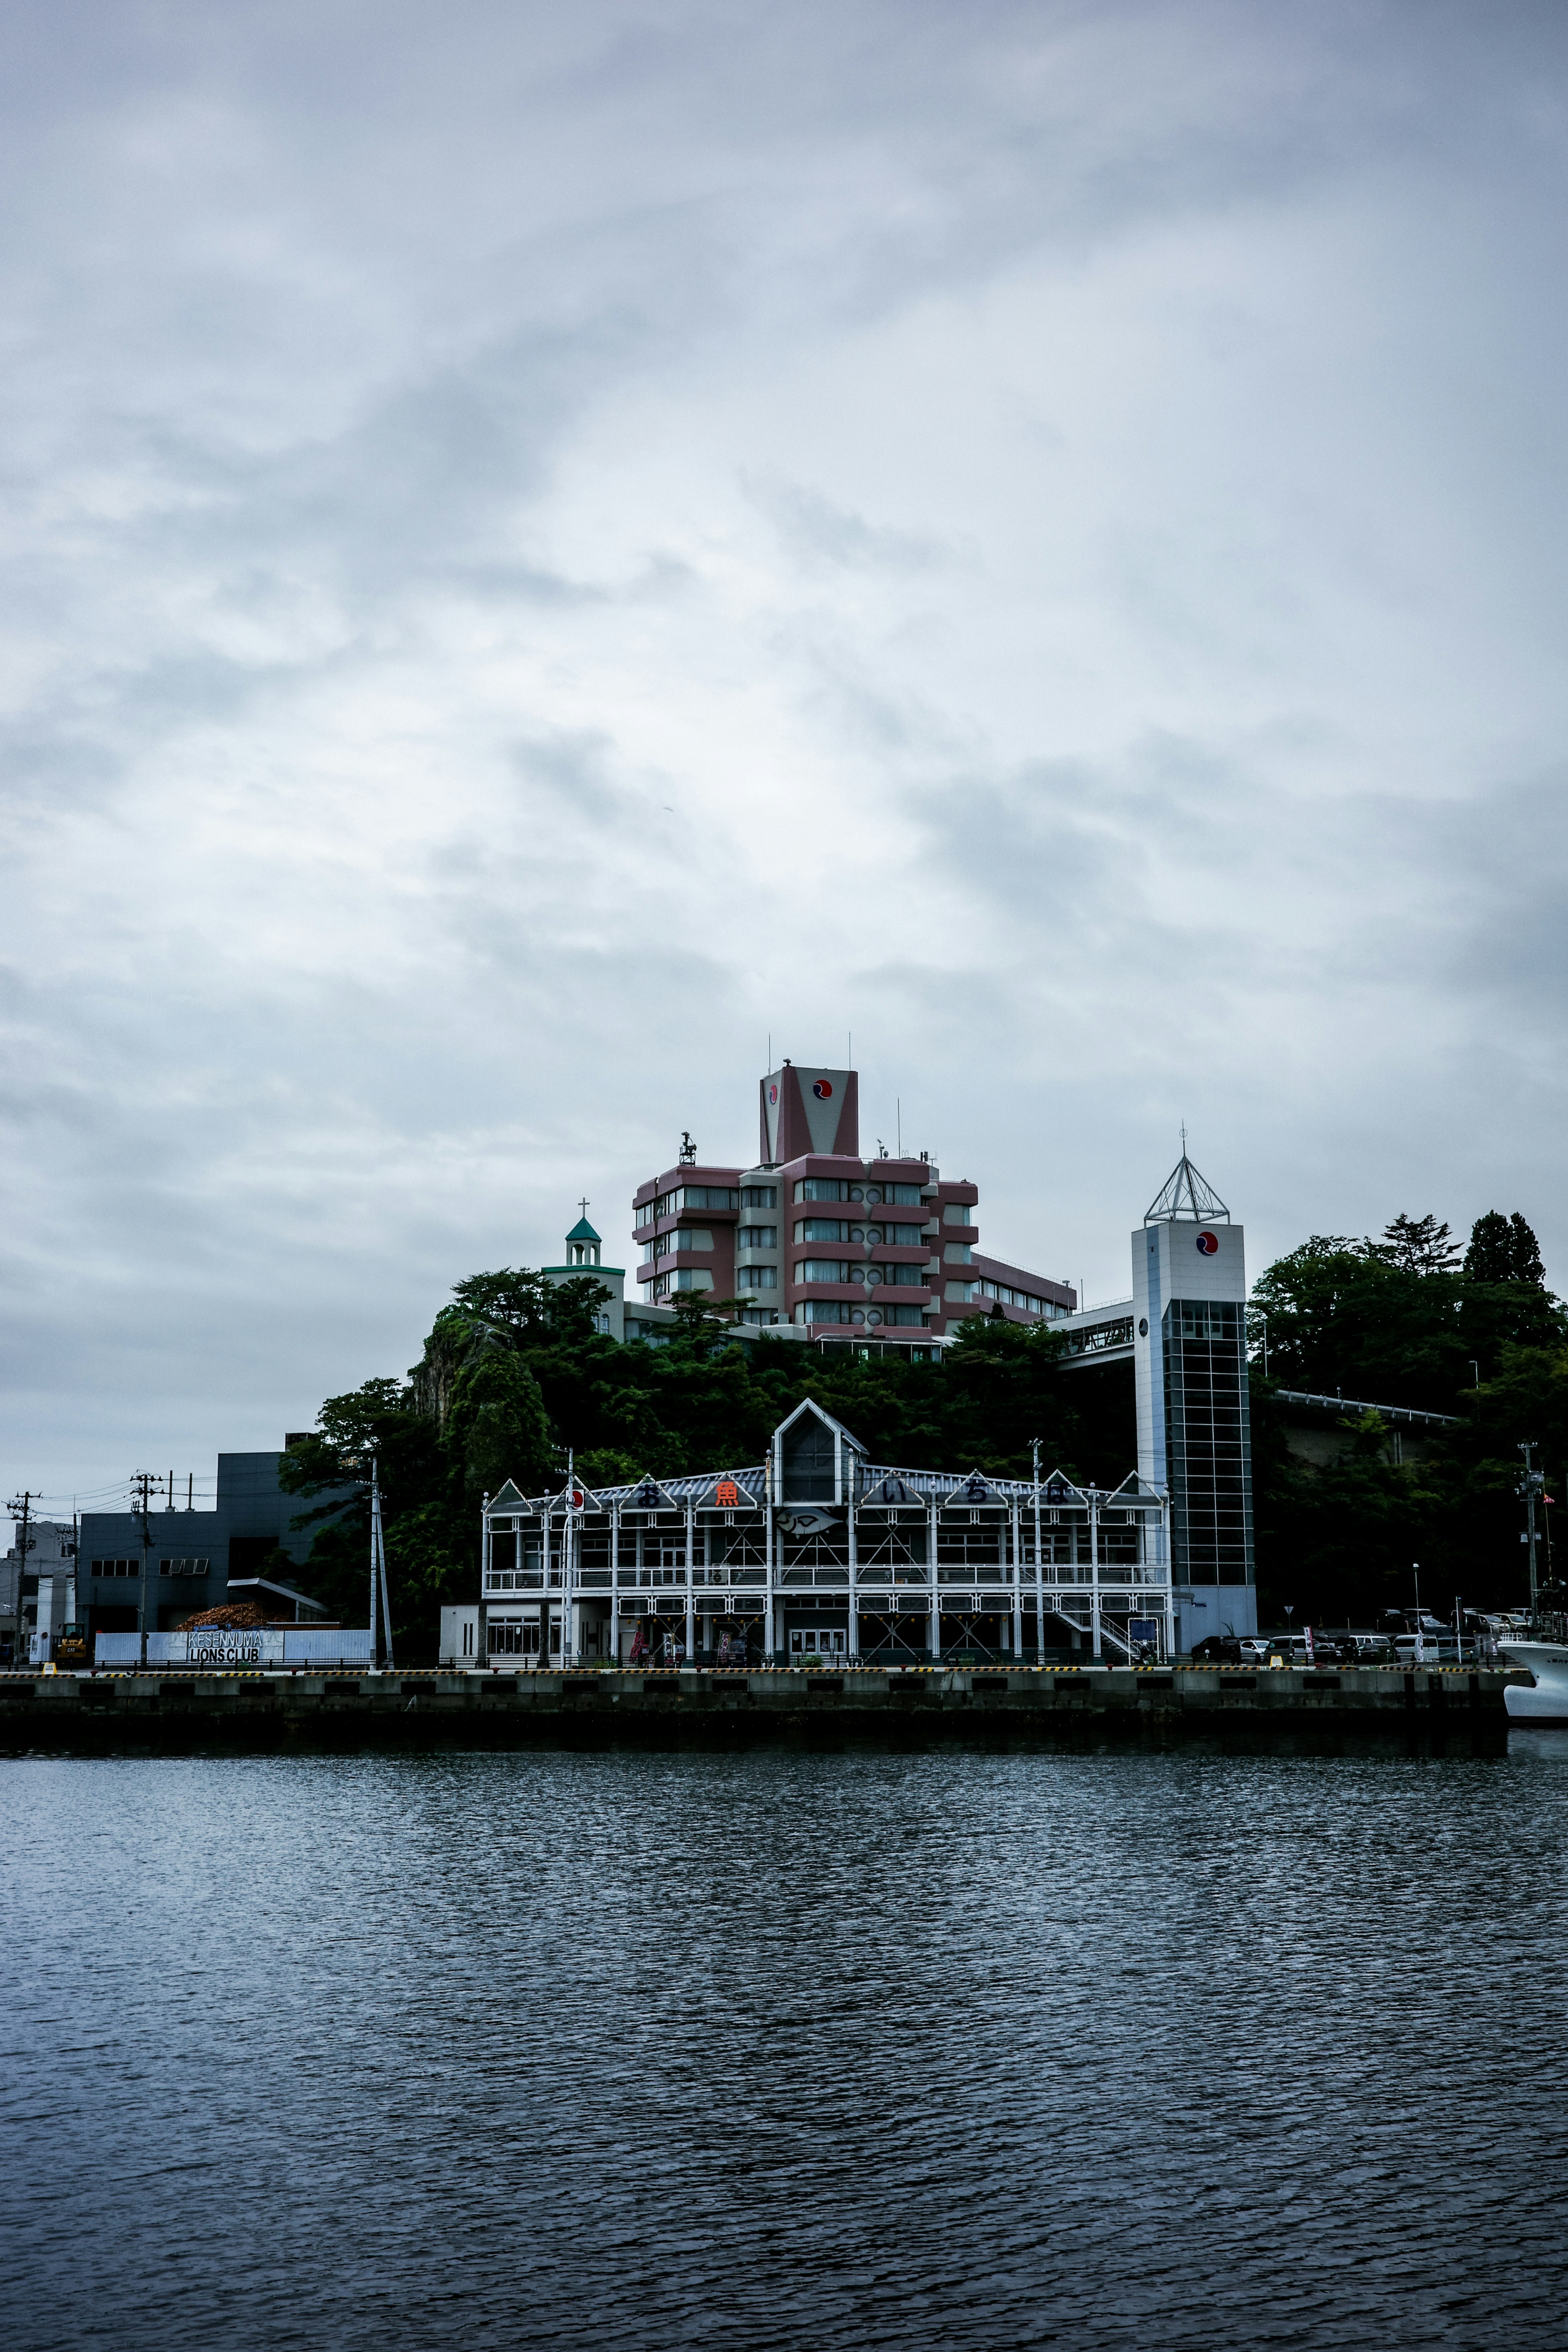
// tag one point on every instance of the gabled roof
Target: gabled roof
(976, 1488)
(809, 1404)
(1186, 1193)
(508, 1499)
(727, 1492)
(1136, 1488)
(646, 1494)
(889, 1489)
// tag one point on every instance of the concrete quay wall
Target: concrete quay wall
(172, 1713)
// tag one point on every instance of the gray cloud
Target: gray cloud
(548, 546)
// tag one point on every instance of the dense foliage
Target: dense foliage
(1398, 1321)
(513, 1376)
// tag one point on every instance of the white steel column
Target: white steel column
(1094, 1568)
(691, 1601)
(1164, 1539)
(933, 1603)
(770, 1618)
(854, 1579)
(1018, 1589)
(544, 1587)
(570, 1536)
(1039, 1568)
(614, 1584)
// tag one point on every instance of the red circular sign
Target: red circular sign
(823, 1088)
(1208, 1244)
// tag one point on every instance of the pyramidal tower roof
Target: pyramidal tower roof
(1186, 1193)
(583, 1232)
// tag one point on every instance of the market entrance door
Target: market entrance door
(817, 1641)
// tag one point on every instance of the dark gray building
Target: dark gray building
(251, 1546)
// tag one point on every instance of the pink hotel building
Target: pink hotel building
(814, 1237)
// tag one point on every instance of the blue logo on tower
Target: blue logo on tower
(1208, 1244)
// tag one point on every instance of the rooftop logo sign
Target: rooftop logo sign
(1208, 1244)
(822, 1089)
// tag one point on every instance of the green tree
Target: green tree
(1504, 1249)
(497, 1428)
(1416, 1246)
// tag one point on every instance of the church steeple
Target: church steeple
(583, 1244)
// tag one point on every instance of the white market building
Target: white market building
(818, 1552)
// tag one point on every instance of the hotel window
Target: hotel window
(821, 1229)
(908, 1277)
(910, 1315)
(904, 1196)
(703, 1196)
(689, 1237)
(757, 1238)
(757, 1278)
(822, 1310)
(957, 1212)
(960, 1291)
(691, 1277)
(959, 1254)
(820, 1269)
(903, 1236)
(820, 1188)
(759, 1196)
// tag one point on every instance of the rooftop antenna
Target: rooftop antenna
(688, 1149)
(898, 1109)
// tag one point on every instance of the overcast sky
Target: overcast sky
(545, 545)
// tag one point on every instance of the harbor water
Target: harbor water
(772, 2049)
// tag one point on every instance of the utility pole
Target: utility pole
(21, 1509)
(378, 1572)
(1530, 1485)
(142, 1487)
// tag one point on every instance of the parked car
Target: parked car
(1219, 1650)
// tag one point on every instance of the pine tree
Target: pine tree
(1418, 1244)
(1504, 1249)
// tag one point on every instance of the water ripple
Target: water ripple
(1098, 2051)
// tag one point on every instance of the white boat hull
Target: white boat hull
(1546, 1701)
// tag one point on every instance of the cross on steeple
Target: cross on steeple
(583, 1204)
